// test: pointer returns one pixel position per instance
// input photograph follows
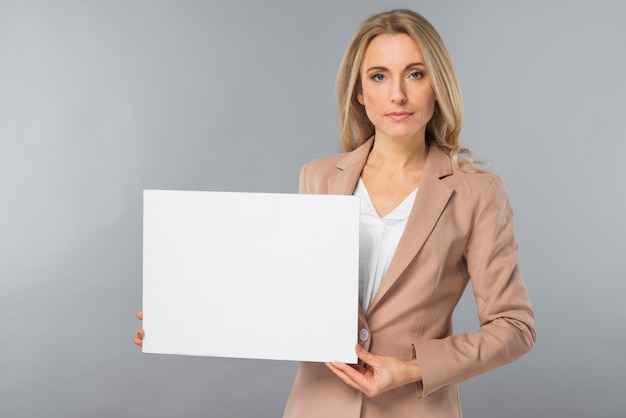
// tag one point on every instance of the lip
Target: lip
(398, 116)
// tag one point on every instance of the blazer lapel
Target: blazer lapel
(349, 170)
(430, 201)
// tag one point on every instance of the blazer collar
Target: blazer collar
(430, 201)
(350, 168)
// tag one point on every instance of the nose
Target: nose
(397, 94)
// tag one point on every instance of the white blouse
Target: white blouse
(378, 240)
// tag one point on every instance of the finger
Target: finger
(355, 379)
(341, 375)
(141, 333)
(343, 366)
(140, 315)
(367, 357)
(138, 341)
(358, 368)
(357, 375)
(343, 370)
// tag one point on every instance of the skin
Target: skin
(140, 332)
(399, 100)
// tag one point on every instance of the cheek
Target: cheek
(426, 99)
(371, 103)
(370, 98)
(431, 103)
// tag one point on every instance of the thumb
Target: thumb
(364, 355)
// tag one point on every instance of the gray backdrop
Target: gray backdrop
(102, 99)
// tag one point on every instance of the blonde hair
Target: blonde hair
(445, 126)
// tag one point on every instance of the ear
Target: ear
(359, 94)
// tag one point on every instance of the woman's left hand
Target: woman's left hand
(381, 373)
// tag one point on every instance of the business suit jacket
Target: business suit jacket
(460, 229)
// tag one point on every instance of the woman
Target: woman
(430, 222)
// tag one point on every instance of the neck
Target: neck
(399, 153)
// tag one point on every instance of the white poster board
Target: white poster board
(251, 275)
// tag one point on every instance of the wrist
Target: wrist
(415, 373)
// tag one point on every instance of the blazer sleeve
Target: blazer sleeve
(504, 308)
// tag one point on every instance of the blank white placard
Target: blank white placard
(251, 275)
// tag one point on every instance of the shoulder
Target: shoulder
(323, 166)
(471, 187)
(314, 174)
(474, 179)
(480, 192)
(343, 161)
(461, 177)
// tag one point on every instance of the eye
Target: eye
(415, 75)
(378, 77)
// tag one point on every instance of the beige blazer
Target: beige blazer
(460, 229)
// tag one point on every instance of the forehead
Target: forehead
(386, 50)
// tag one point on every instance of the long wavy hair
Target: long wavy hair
(445, 126)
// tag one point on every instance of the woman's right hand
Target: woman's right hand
(140, 332)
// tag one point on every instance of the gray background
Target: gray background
(102, 99)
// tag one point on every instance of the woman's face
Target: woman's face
(395, 88)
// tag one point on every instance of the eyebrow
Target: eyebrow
(381, 68)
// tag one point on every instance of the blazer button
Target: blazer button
(363, 335)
